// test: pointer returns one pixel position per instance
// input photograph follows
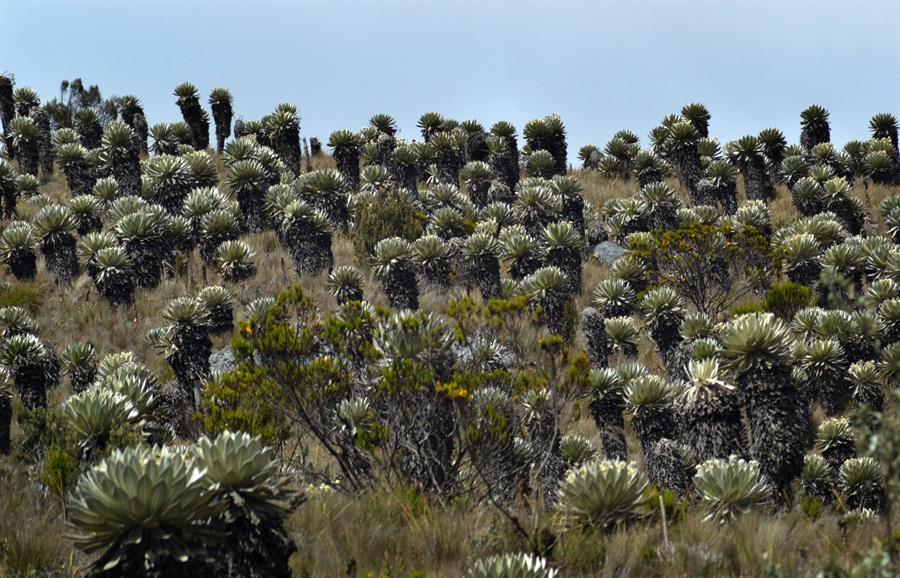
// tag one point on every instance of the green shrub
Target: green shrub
(60, 471)
(242, 400)
(752, 307)
(382, 216)
(782, 299)
(811, 506)
(711, 267)
(27, 295)
(676, 509)
(786, 298)
(35, 433)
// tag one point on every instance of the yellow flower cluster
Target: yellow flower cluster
(452, 390)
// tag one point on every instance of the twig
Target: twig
(665, 529)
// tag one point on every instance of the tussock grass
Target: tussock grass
(33, 538)
(396, 533)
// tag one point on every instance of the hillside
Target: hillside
(459, 355)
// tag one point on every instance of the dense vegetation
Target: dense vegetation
(455, 355)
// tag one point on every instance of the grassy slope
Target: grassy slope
(394, 532)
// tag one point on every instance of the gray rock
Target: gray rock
(221, 361)
(608, 252)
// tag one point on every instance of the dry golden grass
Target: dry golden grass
(395, 533)
(33, 538)
(390, 532)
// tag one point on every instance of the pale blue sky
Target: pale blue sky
(602, 66)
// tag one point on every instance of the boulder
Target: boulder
(608, 252)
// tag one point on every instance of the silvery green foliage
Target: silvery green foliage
(250, 180)
(731, 487)
(607, 406)
(345, 284)
(503, 154)
(87, 210)
(16, 320)
(861, 482)
(562, 244)
(55, 227)
(447, 156)
(144, 235)
(548, 133)
(185, 342)
(433, 257)
(747, 154)
(549, 288)
(80, 364)
(817, 480)
(249, 480)
(122, 155)
(94, 414)
(866, 385)
(512, 566)
(836, 442)
(306, 234)
(169, 181)
(573, 207)
(480, 254)
(326, 190)
(17, 250)
(393, 266)
(521, 251)
(23, 133)
(536, 205)
(665, 313)
(345, 146)
(194, 116)
(649, 404)
(719, 186)
(756, 349)
(89, 131)
(217, 227)
(283, 128)
(236, 261)
(114, 275)
(682, 150)
(219, 302)
(477, 177)
(576, 450)
(144, 511)
(613, 298)
(31, 366)
(601, 495)
(711, 413)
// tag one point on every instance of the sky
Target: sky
(601, 65)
